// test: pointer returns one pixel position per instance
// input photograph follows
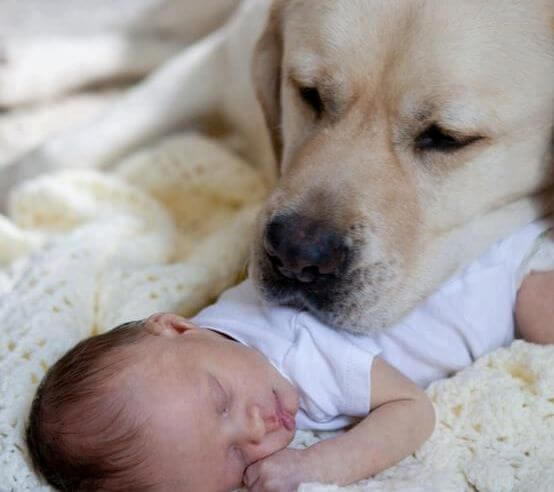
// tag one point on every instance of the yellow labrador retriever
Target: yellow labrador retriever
(409, 135)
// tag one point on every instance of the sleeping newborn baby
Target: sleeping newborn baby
(211, 403)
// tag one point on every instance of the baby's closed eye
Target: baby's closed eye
(221, 399)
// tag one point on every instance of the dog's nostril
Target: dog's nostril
(274, 233)
(270, 250)
(329, 266)
(285, 272)
(275, 260)
(308, 274)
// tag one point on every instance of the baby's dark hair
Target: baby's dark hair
(81, 434)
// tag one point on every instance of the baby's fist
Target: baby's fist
(283, 471)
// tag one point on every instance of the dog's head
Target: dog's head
(410, 136)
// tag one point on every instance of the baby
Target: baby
(211, 403)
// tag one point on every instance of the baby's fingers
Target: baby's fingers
(263, 477)
(251, 475)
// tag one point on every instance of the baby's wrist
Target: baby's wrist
(307, 465)
(316, 462)
(327, 463)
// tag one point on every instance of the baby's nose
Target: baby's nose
(256, 426)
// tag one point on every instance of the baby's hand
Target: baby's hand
(283, 471)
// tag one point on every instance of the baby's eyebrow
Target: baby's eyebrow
(217, 392)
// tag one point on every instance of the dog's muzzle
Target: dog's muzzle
(314, 264)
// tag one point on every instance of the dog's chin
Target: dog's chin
(345, 303)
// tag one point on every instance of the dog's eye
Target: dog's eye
(434, 138)
(311, 96)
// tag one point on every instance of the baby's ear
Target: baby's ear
(167, 324)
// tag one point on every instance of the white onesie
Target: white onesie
(470, 315)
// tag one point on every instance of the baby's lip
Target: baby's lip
(286, 418)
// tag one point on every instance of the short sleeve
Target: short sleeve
(539, 259)
(242, 314)
(239, 302)
(332, 373)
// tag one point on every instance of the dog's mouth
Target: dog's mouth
(341, 302)
(331, 297)
(306, 290)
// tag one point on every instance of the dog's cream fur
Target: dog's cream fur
(386, 72)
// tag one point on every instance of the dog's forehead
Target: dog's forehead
(324, 29)
(452, 51)
(367, 42)
(329, 26)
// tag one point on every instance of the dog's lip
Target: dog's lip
(289, 286)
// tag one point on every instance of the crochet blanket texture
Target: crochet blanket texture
(168, 229)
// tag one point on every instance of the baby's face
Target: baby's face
(212, 405)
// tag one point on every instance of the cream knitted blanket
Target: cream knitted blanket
(168, 229)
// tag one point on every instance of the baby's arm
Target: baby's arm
(401, 419)
(535, 308)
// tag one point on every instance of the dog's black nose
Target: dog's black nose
(304, 249)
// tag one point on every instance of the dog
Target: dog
(401, 138)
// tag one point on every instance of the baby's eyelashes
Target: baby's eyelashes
(220, 397)
(226, 402)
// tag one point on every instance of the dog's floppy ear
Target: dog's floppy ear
(266, 73)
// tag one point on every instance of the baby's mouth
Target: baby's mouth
(286, 419)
